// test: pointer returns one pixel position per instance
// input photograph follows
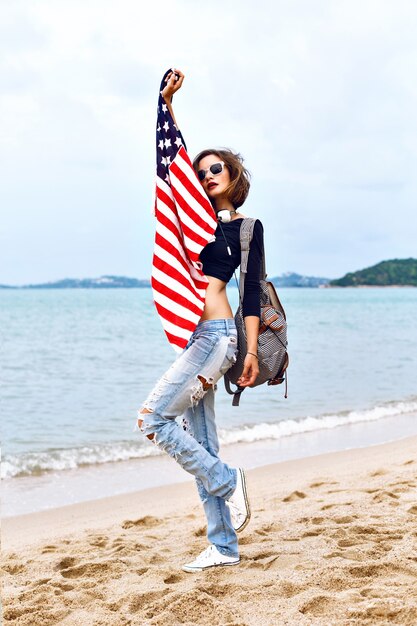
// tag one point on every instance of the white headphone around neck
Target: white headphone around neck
(225, 216)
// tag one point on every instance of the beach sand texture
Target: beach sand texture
(332, 541)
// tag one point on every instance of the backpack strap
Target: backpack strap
(246, 235)
(236, 394)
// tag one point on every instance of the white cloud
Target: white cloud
(319, 97)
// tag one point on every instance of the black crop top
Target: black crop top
(218, 263)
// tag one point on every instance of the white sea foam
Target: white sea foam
(285, 428)
(36, 463)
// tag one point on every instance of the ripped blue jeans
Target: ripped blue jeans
(187, 388)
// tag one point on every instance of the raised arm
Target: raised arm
(174, 81)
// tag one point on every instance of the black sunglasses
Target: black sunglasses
(215, 168)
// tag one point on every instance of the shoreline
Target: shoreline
(367, 286)
(26, 495)
(42, 523)
(332, 540)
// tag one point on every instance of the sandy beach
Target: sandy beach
(332, 541)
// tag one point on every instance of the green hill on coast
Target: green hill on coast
(402, 272)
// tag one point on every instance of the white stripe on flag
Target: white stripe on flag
(191, 202)
(168, 258)
(176, 309)
(163, 185)
(194, 272)
(166, 233)
(169, 214)
(188, 170)
(169, 281)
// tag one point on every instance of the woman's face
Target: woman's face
(214, 184)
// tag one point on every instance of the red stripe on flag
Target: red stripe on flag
(198, 195)
(175, 297)
(174, 274)
(188, 232)
(162, 195)
(174, 319)
(200, 198)
(176, 341)
(170, 249)
(162, 219)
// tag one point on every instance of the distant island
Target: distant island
(289, 279)
(103, 282)
(396, 272)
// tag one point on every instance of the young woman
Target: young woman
(188, 387)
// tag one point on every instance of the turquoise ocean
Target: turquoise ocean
(76, 365)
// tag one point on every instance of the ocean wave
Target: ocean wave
(37, 463)
(288, 427)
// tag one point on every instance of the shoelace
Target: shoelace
(206, 554)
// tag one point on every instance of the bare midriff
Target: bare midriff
(216, 304)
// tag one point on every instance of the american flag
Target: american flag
(185, 223)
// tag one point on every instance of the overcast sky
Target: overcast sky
(319, 97)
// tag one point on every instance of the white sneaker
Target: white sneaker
(238, 503)
(210, 557)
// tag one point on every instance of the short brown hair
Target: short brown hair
(238, 190)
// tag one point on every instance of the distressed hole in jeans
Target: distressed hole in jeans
(206, 383)
(198, 391)
(186, 425)
(140, 422)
